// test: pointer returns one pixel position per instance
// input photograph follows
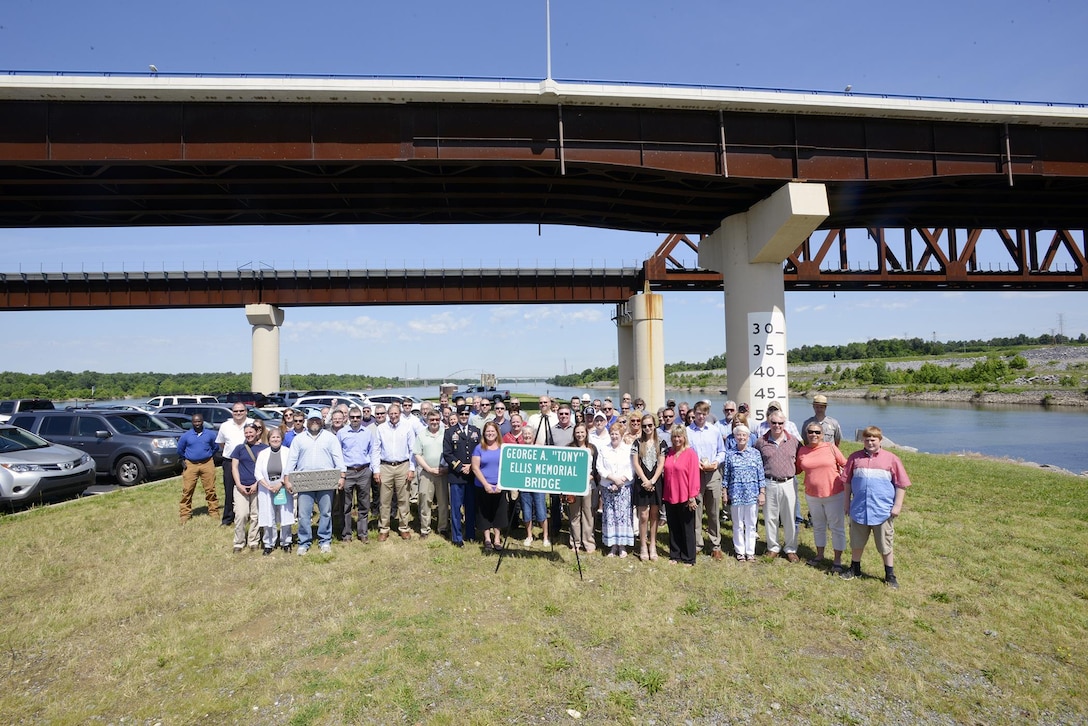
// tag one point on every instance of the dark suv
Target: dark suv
(130, 445)
(216, 414)
(249, 398)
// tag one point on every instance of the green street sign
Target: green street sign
(551, 469)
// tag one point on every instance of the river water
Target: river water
(1054, 436)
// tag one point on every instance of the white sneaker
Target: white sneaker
(326, 549)
(528, 542)
(303, 550)
(546, 542)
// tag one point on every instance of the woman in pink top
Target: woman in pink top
(821, 461)
(681, 474)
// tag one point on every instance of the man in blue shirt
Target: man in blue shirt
(196, 450)
(355, 440)
(708, 444)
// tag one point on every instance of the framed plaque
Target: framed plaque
(314, 481)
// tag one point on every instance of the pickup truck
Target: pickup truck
(490, 392)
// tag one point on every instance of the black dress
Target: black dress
(641, 497)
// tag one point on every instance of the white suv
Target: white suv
(160, 401)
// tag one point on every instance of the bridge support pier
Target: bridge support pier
(641, 341)
(647, 321)
(625, 351)
(749, 249)
(266, 321)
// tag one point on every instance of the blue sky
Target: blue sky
(995, 50)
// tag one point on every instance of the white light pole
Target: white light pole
(548, 34)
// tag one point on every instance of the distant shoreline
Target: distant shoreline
(1045, 398)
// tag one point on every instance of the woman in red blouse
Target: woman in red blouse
(680, 496)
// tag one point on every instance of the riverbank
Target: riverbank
(1053, 376)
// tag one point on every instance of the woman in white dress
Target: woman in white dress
(275, 500)
(614, 464)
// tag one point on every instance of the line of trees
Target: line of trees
(991, 370)
(65, 385)
(912, 347)
(875, 348)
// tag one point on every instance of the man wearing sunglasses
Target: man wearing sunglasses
(356, 440)
(230, 436)
(779, 450)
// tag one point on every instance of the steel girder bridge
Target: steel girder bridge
(923, 193)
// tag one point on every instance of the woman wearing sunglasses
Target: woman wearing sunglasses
(822, 462)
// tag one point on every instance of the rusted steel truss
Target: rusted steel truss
(839, 259)
(235, 288)
(899, 259)
(70, 163)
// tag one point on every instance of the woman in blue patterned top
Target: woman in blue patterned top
(744, 492)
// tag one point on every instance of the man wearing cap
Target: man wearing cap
(355, 440)
(313, 450)
(393, 467)
(586, 410)
(457, 446)
(831, 427)
(598, 435)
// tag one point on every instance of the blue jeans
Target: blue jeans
(324, 517)
(532, 507)
(462, 494)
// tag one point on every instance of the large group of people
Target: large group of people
(677, 467)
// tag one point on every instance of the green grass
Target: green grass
(115, 612)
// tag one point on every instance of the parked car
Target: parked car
(387, 398)
(249, 398)
(286, 398)
(330, 400)
(216, 413)
(160, 401)
(129, 445)
(32, 469)
(18, 405)
(496, 395)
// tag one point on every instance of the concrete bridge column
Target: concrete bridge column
(647, 322)
(749, 249)
(266, 321)
(625, 350)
